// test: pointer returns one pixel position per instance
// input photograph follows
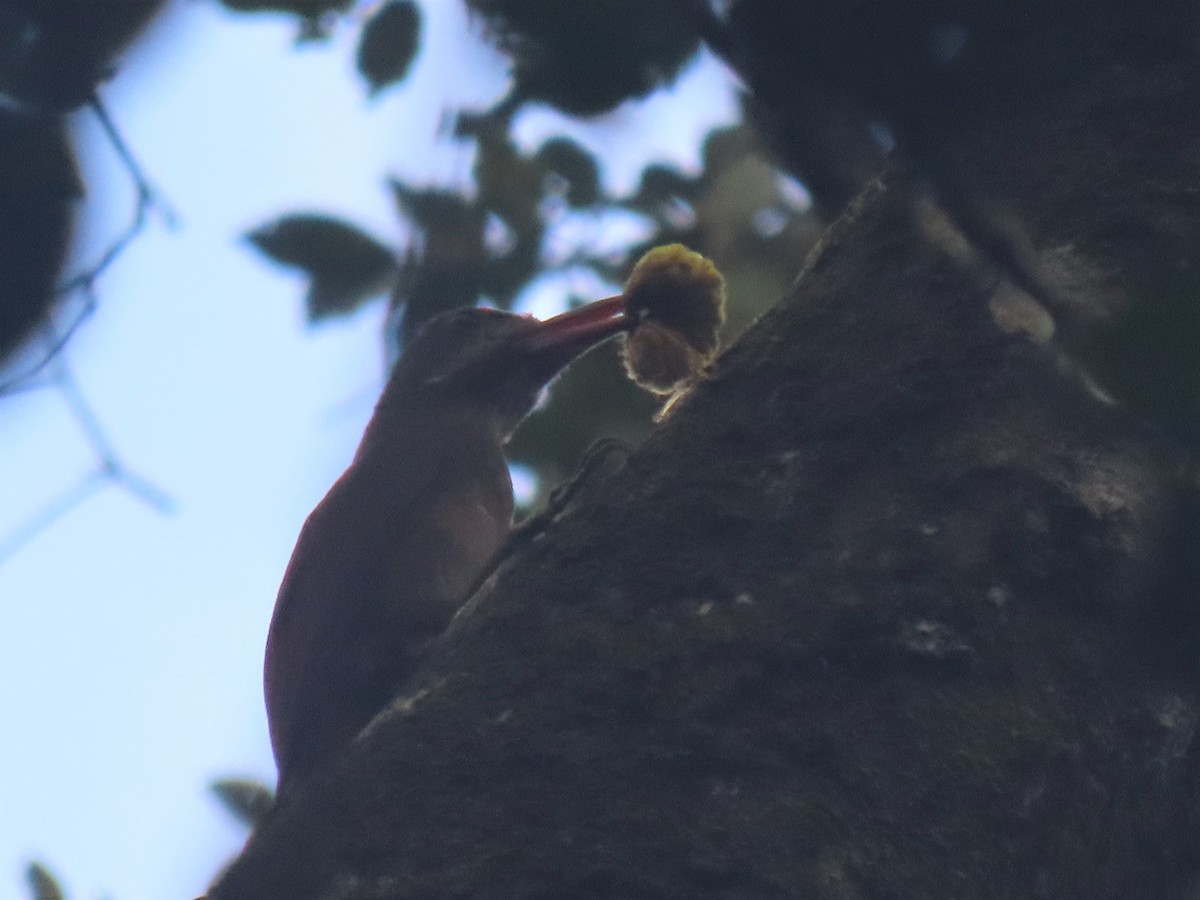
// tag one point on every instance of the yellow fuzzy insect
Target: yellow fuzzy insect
(675, 299)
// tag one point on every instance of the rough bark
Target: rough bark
(896, 604)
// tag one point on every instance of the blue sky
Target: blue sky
(131, 642)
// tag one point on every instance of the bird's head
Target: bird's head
(500, 361)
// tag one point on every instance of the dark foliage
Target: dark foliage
(389, 42)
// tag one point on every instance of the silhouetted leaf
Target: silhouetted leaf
(42, 883)
(574, 165)
(345, 266)
(449, 270)
(661, 185)
(586, 56)
(249, 801)
(435, 209)
(313, 14)
(510, 184)
(389, 43)
(725, 146)
(307, 9)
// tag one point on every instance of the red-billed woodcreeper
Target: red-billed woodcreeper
(386, 559)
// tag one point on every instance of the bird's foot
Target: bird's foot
(603, 459)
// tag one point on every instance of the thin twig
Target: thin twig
(106, 454)
(109, 469)
(145, 490)
(51, 513)
(148, 196)
(147, 199)
(108, 461)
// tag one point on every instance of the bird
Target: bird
(386, 559)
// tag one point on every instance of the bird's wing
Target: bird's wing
(376, 572)
(316, 631)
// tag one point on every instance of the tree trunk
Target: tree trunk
(898, 603)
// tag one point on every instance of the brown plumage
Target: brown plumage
(675, 300)
(385, 560)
